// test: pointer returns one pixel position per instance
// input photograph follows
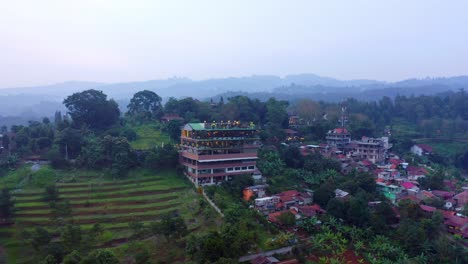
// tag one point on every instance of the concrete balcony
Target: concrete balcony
(219, 157)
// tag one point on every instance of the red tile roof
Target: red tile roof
(408, 185)
(425, 147)
(340, 130)
(311, 210)
(427, 194)
(447, 214)
(416, 171)
(428, 208)
(456, 221)
(273, 217)
(443, 194)
(395, 161)
(461, 198)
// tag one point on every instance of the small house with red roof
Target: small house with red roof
(274, 217)
(171, 117)
(427, 210)
(414, 173)
(409, 186)
(457, 225)
(293, 197)
(421, 149)
(310, 210)
(461, 199)
(443, 194)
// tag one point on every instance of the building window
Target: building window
(244, 168)
(218, 170)
(251, 167)
(237, 168)
(230, 169)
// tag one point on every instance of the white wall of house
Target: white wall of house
(417, 150)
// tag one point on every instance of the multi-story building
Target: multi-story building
(338, 138)
(214, 152)
(373, 149)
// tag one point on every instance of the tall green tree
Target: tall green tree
(92, 108)
(7, 204)
(145, 105)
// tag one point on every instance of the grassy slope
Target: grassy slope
(103, 203)
(148, 136)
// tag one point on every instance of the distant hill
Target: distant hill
(38, 101)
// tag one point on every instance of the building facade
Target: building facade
(338, 138)
(373, 149)
(214, 152)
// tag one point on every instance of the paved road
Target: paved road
(267, 254)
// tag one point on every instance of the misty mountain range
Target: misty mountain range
(39, 101)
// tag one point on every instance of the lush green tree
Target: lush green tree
(170, 226)
(91, 155)
(325, 193)
(173, 129)
(9, 161)
(161, 157)
(145, 105)
(292, 157)
(238, 183)
(60, 209)
(358, 212)
(92, 108)
(51, 193)
(118, 155)
(71, 236)
(49, 259)
(40, 238)
(73, 258)
(57, 159)
(337, 208)
(69, 141)
(270, 163)
(287, 219)
(101, 256)
(7, 205)
(137, 228)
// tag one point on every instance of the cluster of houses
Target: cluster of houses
(395, 178)
(300, 204)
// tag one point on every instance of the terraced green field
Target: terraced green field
(142, 197)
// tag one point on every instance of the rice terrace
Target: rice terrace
(88, 198)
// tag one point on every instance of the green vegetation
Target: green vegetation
(149, 136)
(144, 197)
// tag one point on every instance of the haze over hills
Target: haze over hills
(38, 101)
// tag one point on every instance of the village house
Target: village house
(457, 225)
(392, 192)
(171, 117)
(421, 149)
(414, 173)
(461, 200)
(258, 191)
(283, 201)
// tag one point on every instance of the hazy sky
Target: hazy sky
(44, 41)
